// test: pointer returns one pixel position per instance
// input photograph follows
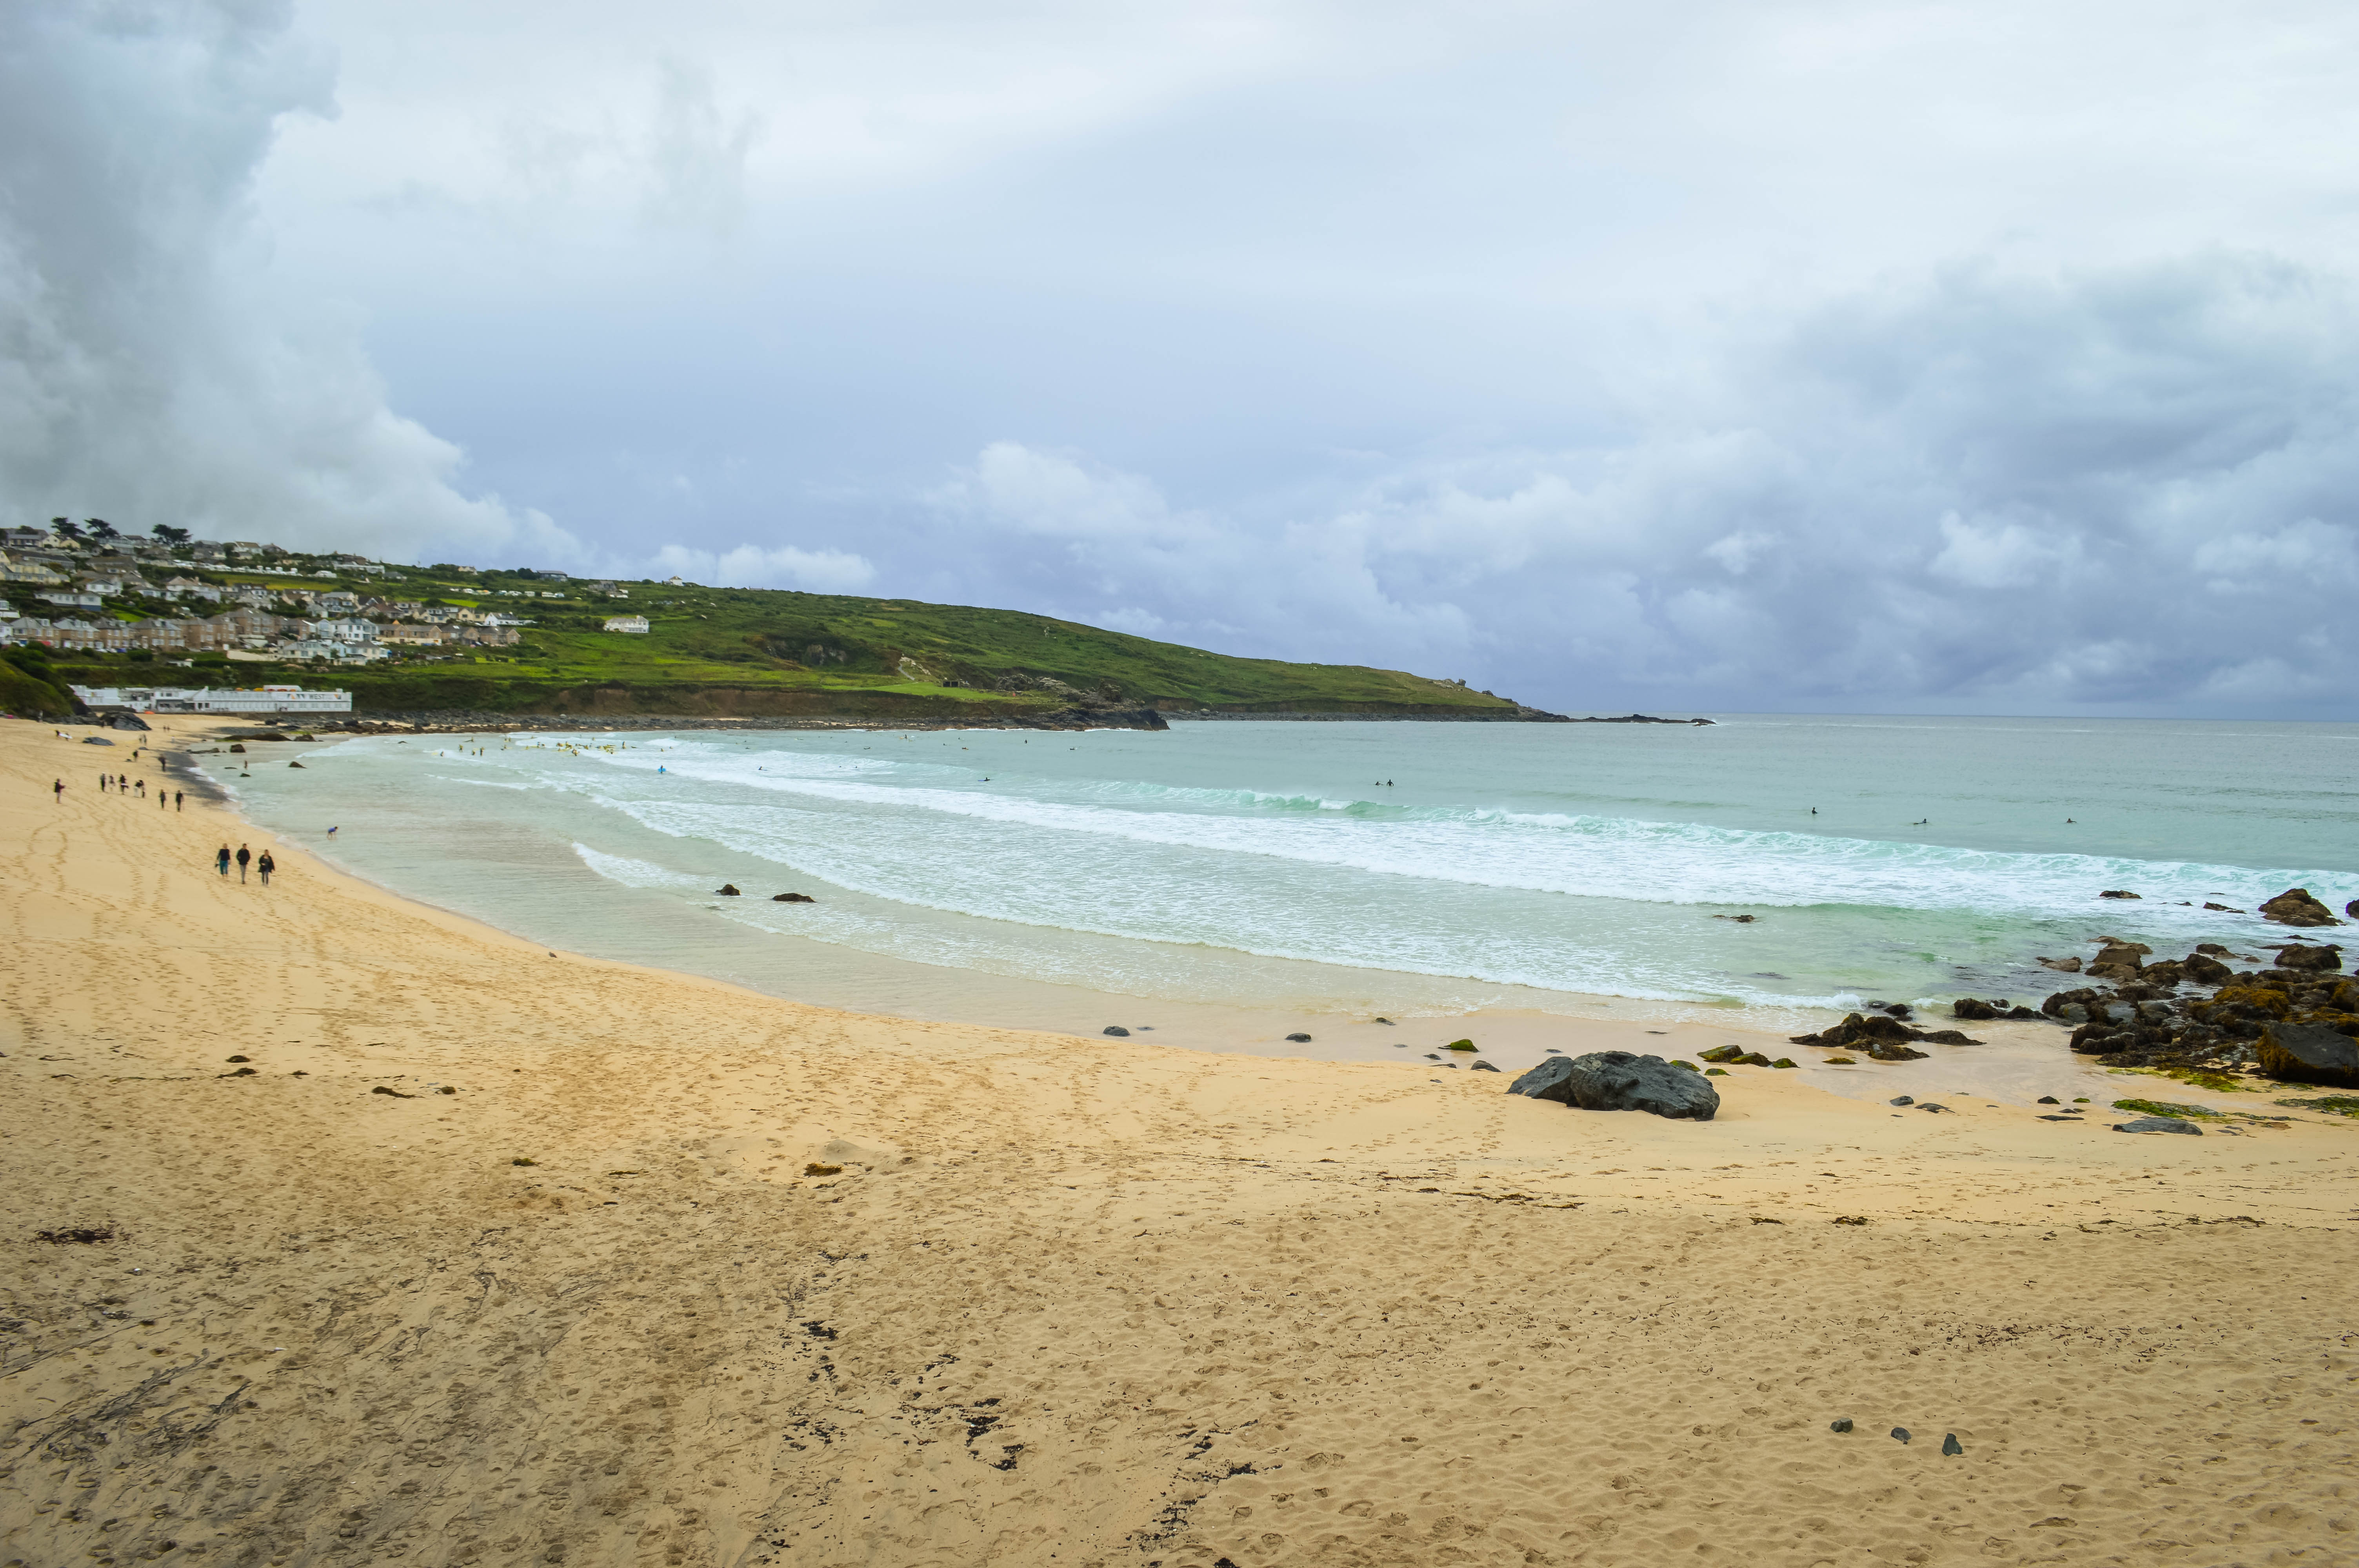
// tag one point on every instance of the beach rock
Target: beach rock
(1902, 1099)
(726, 889)
(2223, 908)
(2294, 906)
(1931, 1104)
(1726, 1053)
(2117, 892)
(2352, 909)
(792, 898)
(1459, 1046)
(2050, 1099)
(294, 764)
(1951, 1446)
(2066, 965)
(2157, 1124)
(1898, 1010)
(1117, 1030)
(1300, 1039)
(2308, 1052)
(2072, 1012)
(1967, 1007)
(1785, 1062)
(1484, 1067)
(2297, 957)
(238, 747)
(1621, 1080)
(2205, 971)
(1842, 1425)
(1899, 1434)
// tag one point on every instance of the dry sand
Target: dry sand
(1060, 1299)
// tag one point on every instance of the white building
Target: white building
(627, 623)
(198, 699)
(350, 629)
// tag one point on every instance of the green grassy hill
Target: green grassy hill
(765, 652)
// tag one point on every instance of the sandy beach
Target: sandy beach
(425, 1244)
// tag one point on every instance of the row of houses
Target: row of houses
(350, 639)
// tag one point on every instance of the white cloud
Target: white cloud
(751, 566)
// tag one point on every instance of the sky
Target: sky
(1803, 356)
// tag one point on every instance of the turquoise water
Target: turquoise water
(1339, 864)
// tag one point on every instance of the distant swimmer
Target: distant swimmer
(1814, 811)
(663, 770)
(332, 832)
(2070, 823)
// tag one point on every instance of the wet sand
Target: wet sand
(679, 1273)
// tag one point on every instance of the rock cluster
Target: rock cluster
(1997, 1007)
(2278, 1018)
(1883, 1038)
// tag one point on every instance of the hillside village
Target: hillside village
(87, 588)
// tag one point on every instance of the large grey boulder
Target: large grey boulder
(1621, 1080)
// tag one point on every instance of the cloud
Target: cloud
(2120, 490)
(751, 566)
(148, 368)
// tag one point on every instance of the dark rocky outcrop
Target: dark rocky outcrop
(2297, 957)
(1968, 1006)
(2309, 1053)
(2064, 965)
(2294, 906)
(727, 890)
(2118, 892)
(1117, 1030)
(1621, 1080)
(792, 898)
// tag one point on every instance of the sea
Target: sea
(1763, 870)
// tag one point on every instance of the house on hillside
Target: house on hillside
(627, 623)
(189, 588)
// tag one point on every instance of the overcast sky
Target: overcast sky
(1889, 357)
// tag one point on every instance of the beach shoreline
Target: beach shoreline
(676, 1272)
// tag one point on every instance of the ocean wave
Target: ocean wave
(1680, 863)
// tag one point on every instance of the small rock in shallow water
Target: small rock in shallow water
(1929, 1105)
(1843, 1425)
(1484, 1067)
(1300, 1039)
(792, 898)
(727, 890)
(1902, 1099)
(1949, 1444)
(1117, 1031)
(1900, 1434)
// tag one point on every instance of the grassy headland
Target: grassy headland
(757, 651)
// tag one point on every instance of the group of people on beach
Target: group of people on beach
(166, 800)
(263, 864)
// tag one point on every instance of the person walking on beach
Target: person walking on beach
(221, 860)
(244, 855)
(263, 867)
(176, 800)
(58, 792)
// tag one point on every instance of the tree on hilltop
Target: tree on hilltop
(168, 535)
